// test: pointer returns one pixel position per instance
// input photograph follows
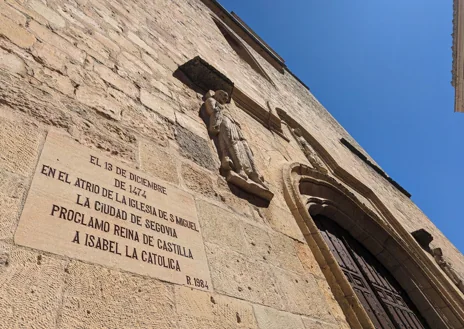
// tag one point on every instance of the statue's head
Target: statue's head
(297, 132)
(437, 252)
(221, 96)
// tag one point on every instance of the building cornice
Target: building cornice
(454, 36)
(458, 55)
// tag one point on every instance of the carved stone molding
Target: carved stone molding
(383, 213)
(308, 150)
(309, 192)
(265, 116)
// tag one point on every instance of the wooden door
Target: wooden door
(384, 300)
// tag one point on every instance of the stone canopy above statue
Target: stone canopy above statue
(206, 77)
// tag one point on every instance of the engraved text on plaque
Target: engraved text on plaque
(87, 206)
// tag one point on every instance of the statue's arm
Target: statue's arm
(215, 123)
(214, 115)
(210, 105)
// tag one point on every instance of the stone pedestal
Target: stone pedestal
(249, 186)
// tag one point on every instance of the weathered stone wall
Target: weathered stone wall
(102, 72)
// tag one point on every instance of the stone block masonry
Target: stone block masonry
(102, 75)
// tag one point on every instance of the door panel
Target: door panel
(382, 297)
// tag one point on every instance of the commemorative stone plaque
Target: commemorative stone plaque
(84, 205)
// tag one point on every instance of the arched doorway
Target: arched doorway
(310, 193)
(386, 303)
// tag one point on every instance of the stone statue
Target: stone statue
(437, 254)
(312, 156)
(237, 159)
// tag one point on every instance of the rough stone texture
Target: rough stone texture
(235, 201)
(20, 146)
(240, 234)
(221, 227)
(102, 72)
(12, 189)
(158, 161)
(13, 14)
(102, 298)
(334, 307)
(142, 44)
(269, 318)
(273, 247)
(31, 288)
(47, 36)
(55, 80)
(195, 148)
(158, 105)
(80, 121)
(302, 295)
(316, 324)
(53, 18)
(16, 34)
(308, 260)
(281, 219)
(99, 101)
(11, 63)
(191, 124)
(123, 42)
(234, 275)
(198, 180)
(202, 310)
(116, 81)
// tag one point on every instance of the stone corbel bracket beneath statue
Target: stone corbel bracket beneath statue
(249, 186)
(206, 77)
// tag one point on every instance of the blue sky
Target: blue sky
(382, 69)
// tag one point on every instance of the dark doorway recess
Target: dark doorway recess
(386, 303)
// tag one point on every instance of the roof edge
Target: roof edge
(455, 42)
(236, 24)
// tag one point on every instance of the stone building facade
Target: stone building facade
(458, 61)
(160, 167)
